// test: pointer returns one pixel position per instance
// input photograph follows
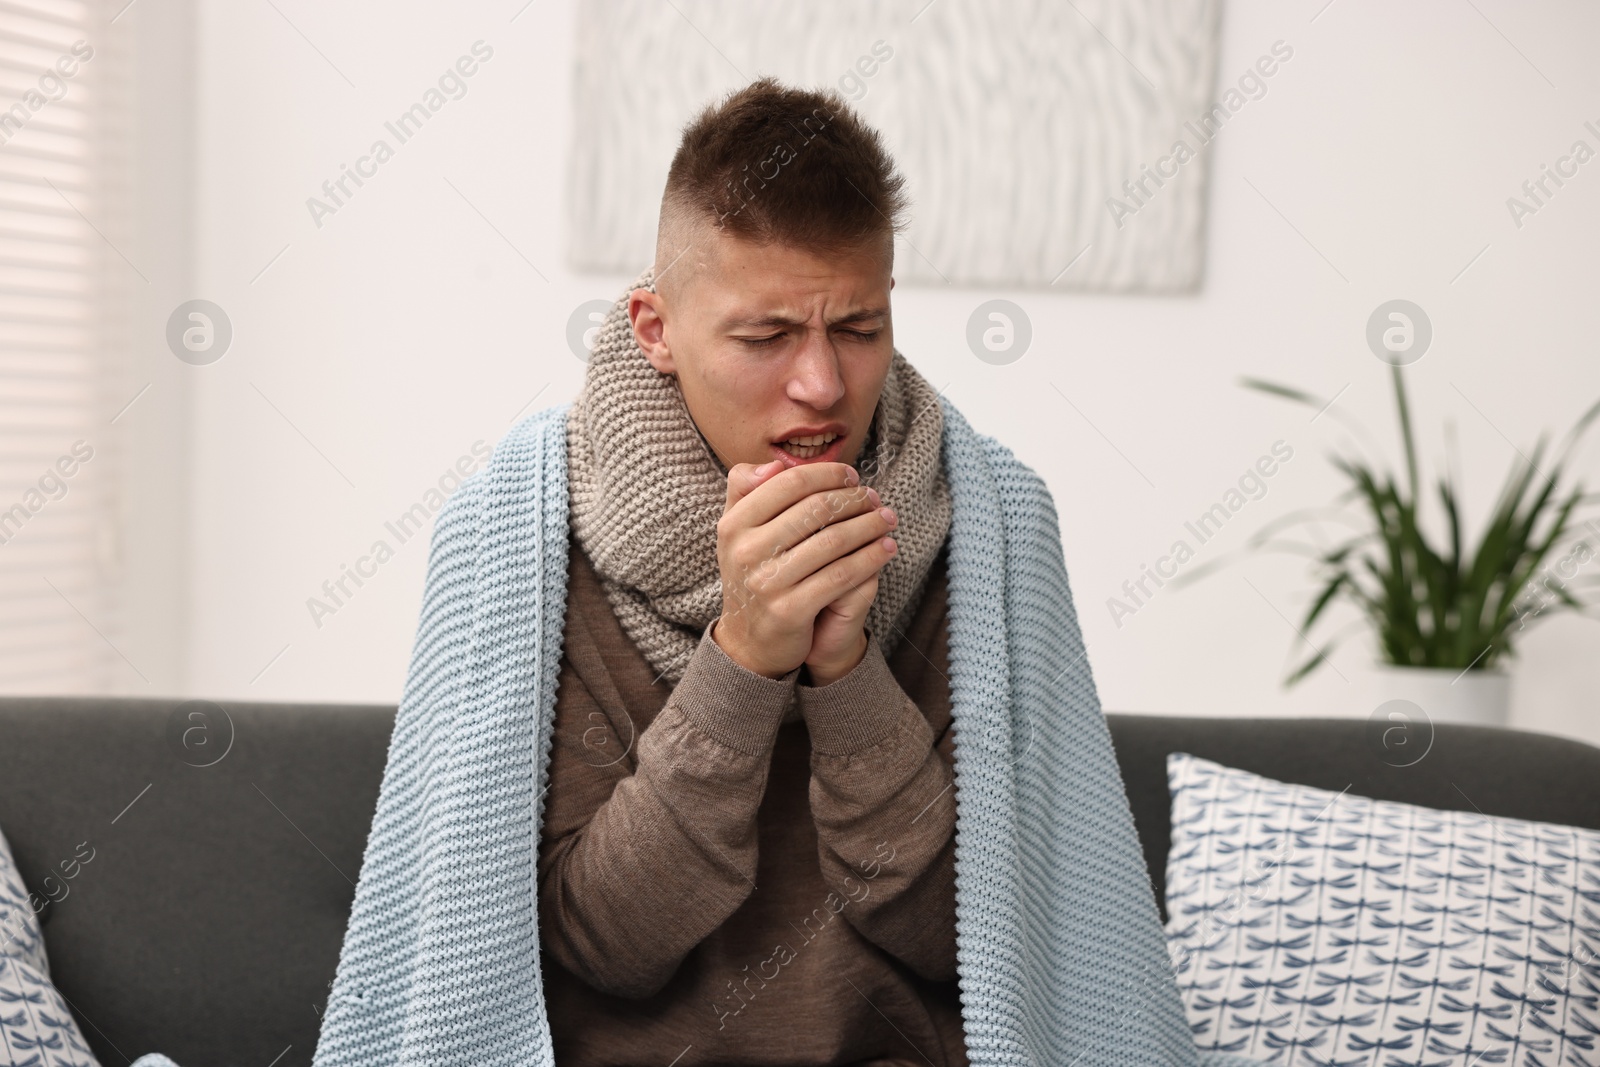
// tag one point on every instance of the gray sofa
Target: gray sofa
(226, 843)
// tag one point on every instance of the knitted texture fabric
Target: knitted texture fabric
(1060, 954)
(647, 491)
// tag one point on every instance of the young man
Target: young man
(747, 854)
(671, 780)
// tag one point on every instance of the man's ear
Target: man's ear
(650, 329)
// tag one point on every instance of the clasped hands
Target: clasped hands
(800, 549)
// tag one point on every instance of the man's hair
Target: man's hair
(772, 164)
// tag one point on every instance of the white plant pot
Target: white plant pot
(1445, 694)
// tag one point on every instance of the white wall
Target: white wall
(377, 349)
(152, 636)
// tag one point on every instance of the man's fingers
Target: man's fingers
(761, 498)
(846, 577)
(746, 478)
(830, 535)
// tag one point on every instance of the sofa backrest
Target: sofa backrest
(207, 925)
(226, 842)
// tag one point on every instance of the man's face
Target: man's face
(770, 342)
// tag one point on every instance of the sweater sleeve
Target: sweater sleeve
(648, 846)
(883, 800)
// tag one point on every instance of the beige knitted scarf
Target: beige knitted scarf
(647, 490)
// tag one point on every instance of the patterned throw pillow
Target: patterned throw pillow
(1330, 930)
(38, 1029)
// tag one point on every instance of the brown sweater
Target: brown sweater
(749, 870)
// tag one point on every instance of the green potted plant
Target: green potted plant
(1446, 617)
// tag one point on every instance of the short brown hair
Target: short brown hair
(773, 164)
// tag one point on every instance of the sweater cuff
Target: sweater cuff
(857, 711)
(730, 703)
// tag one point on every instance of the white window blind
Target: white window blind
(64, 291)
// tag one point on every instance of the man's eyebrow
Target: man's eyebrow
(764, 321)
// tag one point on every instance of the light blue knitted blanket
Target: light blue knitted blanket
(1060, 952)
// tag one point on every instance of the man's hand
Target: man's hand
(800, 549)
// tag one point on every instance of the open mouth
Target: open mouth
(818, 446)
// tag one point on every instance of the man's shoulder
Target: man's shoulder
(534, 426)
(1010, 473)
(523, 437)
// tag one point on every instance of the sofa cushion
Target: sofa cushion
(21, 938)
(36, 1025)
(1506, 772)
(1317, 926)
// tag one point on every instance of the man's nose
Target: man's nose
(816, 379)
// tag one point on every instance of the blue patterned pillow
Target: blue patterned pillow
(39, 1030)
(1330, 930)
